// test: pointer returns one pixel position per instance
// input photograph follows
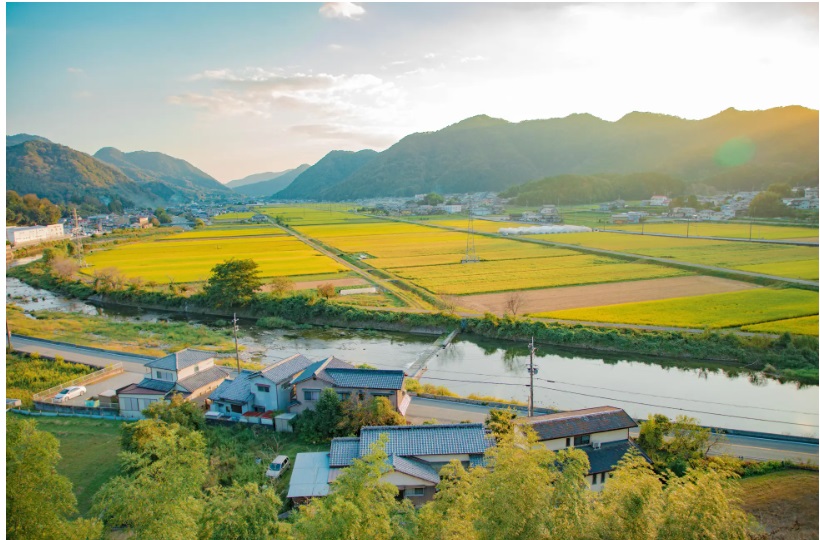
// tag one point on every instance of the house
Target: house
(349, 382)
(659, 200)
(295, 383)
(257, 391)
(260, 218)
(415, 453)
(189, 372)
(601, 432)
(35, 235)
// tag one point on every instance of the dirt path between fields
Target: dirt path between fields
(605, 294)
(344, 282)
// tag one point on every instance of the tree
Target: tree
(513, 302)
(768, 204)
(239, 512)
(500, 422)
(38, 500)
(674, 445)
(449, 302)
(64, 268)
(160, 494)
(177, 411)
(233, 283)
(199, 224)
(280, 286)
(782, 190)
(162, 216)
(325, 421)
(154, 221)
(326, 290)
(374, 411)
(359, 505)
(432, 199)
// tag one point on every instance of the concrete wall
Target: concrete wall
(190, 370)
(602, 437)
(34, 235)
(310, 384)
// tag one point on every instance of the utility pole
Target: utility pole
(533, 371)
(8, 336)
(236, 343)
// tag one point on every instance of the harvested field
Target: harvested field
(785, 503)
(302, 285)
(604, 294)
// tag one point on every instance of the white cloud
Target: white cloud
(75, 70)
(335, 47)
(341, 10)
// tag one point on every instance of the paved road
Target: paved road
(422, 409)
(88, 356)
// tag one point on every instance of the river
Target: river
(567, 379)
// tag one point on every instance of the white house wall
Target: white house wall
(602, 437)
(190, 370)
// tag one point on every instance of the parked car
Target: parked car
(277, 467)
(69, 393)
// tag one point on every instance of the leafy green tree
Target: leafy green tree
(38, 500)
(241, 512)
(433, 199)
(233, 283)
(162, 216)
(674, 444)
(30, 210)
(160, 494)
(782, 190)
(325, 421)
(500, 422)
(768, 204)
(453, 513)
(359, 506)
(376, 411)
(177, 411)
(199, 224)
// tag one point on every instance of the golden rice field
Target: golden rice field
(800, 325)
(234, 216)
(315, 214)
(540, 273)
(779, 260)
(725, 230)
(722, 310)
(225, 232)
(191, 260)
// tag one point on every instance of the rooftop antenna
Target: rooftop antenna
(470, 255)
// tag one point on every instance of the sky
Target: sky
(238, 89)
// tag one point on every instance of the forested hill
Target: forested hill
(334, 168)
(20, 138)
(274, 185)
(487, 154)
(64, 175)
(157, 167)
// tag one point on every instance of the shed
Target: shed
(310, 476)
(108, 398)
(283, 422)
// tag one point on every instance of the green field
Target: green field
(187, 261)
(724, 310)
(89, 450)
(799, 325)
(26, 376)
(724, 230)
(223, 232)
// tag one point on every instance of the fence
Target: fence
(47, 396)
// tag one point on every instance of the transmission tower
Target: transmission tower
(470, 255)
(77, 235)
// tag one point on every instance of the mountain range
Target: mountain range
(733, 150)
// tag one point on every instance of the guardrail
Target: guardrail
(47, 396)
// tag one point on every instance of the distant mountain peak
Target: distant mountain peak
(478, 121)
(20, 138)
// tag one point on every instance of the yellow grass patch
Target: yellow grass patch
(800, 325)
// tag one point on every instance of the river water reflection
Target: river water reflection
(567, 379)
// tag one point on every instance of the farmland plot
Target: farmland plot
(723, 310)
(725, 230)
(226, 232)
(799, 325)
(191, 260)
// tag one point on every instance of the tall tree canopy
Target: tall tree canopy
(233, 282)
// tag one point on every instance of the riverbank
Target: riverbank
(786, 358)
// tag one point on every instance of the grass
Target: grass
(186, 261)
(148, 338)
(721, 310)
(799, 325)
(725, 230)
(27, 375)
(785, 503)
(89, 450)
(806, 269)
(222, 232)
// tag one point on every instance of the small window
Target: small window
(311, 395)
(568, 442)
(263, 388)
(603, 477)
(344, 395)
(594, 479)
(415, 492)
(159, 375)
(196, 369)
(581, 440)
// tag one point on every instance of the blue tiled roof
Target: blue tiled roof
(202, 378)
(414, 467)
(605, 458)
(308, 372)
(387, 379)
(239, 389)
(181, 359)
(343, 450)
(426, 440)
(285, 369)
(155, 384)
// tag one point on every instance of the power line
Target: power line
(634, 402)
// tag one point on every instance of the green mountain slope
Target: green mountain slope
(155, 167)
(271, 186)
(63, 175)
(329, 171)
(483, 153)
(20, 138)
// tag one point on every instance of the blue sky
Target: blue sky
(238, 89)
